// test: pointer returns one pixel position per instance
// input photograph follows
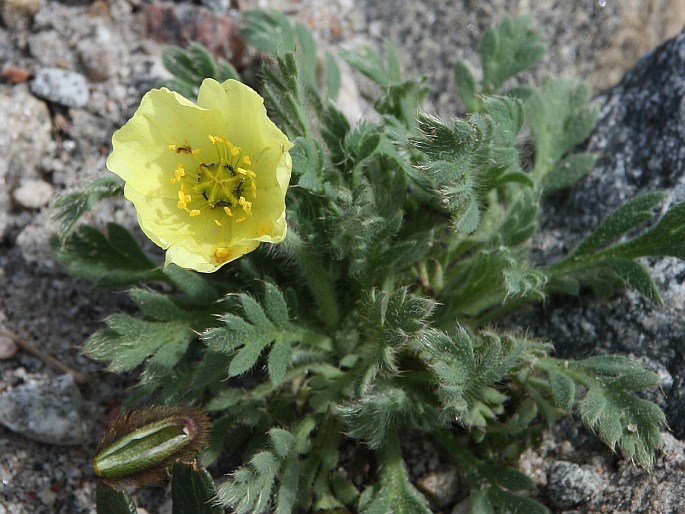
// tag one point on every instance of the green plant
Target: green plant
(407, 237)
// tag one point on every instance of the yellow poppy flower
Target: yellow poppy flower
(208, 181)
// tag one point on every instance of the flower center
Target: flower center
(216, 187)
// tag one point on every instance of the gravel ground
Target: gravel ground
(74, 71)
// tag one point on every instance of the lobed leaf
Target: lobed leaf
(507, 50)
(112, 259)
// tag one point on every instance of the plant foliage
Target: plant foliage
(408, 236)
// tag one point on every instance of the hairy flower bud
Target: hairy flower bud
(139, 446)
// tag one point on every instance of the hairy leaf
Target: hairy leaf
(192, 490)
(560, 119)
(69, 207)
(111, 258)
(507, 50)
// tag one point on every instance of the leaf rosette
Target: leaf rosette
(208, 180)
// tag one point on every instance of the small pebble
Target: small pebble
(569, 484)
(96, 56)
(15, 74)
(442, 486)
(33, 194)
(61, 86)
(16, 14)
(8, 348)
(48, 411)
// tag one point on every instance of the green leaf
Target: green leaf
(560, 119)
(468, 370)
(111, 501)
(508, 478)
(609, 409)
(333, 78)
(268, 31)
(632, 214)
(308, 164)
(289, 483)
(466, 86)
(665, 239)
(157, 306)
(249, 488)
(361, 142)
(112, 259)
(504, 501)
(563, 389)
(69, 207)
(507, 50)
(369, 63)
(634, 275)
(128, 341)
(279, 361)
(192, 490)
(569, 171)
(307, 56)
(272, 474)
(394, 492)
(521, 221)
(247, 337)
(191, 66)
(196, 288)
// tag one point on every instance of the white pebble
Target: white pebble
(33, 194)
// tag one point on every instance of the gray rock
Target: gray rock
(51, 50)
(61, 86)
(569, 484)
(48, 411)
(33, 194)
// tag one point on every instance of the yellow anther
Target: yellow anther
(235, 151)
(241, 171)
(171, 147)
(228, 211)
(187, 198)
(240, 220)
(181, 205)
(194, 213)
(251, 174)
(246, 160)
(218, 223)
(222, 254)
(247, 206)
(181, 196)
(254, 190)
(180, 172)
